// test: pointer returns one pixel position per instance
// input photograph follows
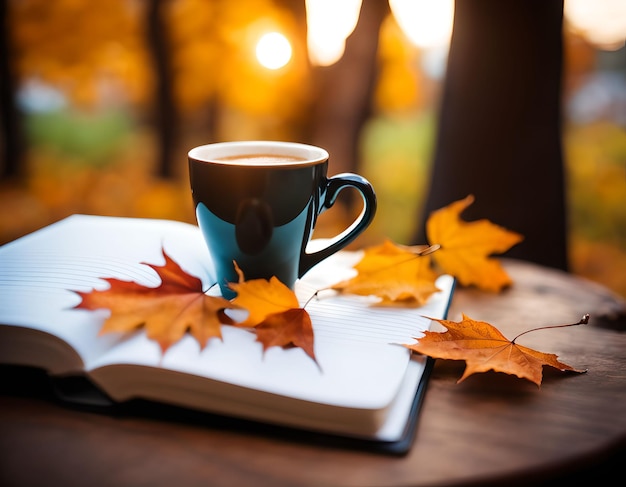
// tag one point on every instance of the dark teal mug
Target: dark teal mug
(257, 203)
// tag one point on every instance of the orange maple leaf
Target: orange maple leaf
(396, 274)
(484, 348)
(167, 311)
(274, 312)
(466, 247)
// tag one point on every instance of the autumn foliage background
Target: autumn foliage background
(90, 97)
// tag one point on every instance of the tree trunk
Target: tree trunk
(166, 117)
(344, 91)
(11, 131)
(499, 134)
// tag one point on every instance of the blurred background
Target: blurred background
(101, 102)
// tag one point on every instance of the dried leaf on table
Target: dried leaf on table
(465, 248)
(484, 348)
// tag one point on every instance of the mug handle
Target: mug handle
(334, 186)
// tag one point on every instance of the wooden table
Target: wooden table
(489, 429)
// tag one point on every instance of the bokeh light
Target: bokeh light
(273, 50)
(329, 23)
(427, 24)
(601, 22)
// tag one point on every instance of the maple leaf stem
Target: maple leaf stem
(418, 250)
(583, 321)
(314, 295)
(210, 287)
(416, 255)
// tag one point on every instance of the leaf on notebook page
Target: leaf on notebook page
(398, 275)
(484, 348)
(466, 247)
(167, 311)
(274, 312)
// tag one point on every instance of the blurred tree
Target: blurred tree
(344, 90)
(11, 133)
(165, 112)
(499, 134)
(196, 43)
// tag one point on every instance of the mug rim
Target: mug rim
(210, 153)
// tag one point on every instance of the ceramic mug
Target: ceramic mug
(257, 203)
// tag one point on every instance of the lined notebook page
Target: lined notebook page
(39, 271)
(360, 362)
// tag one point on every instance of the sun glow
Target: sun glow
(273, 50)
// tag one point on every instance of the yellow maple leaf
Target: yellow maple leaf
(396, 274)
(274, 312)
(484, 348)
(465, 248)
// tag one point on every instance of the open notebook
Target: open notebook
(367, 387)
